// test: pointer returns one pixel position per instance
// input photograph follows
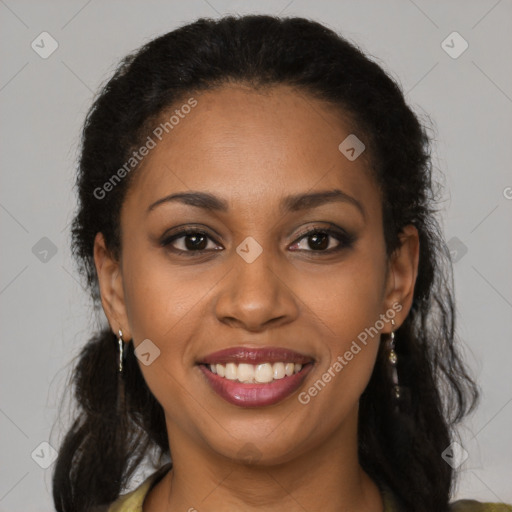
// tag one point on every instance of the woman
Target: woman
(256, 215)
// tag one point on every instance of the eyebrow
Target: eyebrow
(291, 203)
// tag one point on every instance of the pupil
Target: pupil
(196, 241)
(320, 241)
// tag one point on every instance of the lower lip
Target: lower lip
(255, 395)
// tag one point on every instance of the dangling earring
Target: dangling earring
(121, 350)
(393, 360)
(120, 400)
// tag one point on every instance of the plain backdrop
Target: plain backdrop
(46, 316)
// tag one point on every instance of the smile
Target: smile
(249, 377)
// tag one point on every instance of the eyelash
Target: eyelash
(345, 240)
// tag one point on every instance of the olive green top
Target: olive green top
(132, 502)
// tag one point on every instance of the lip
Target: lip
(255, 395)
(255, 356)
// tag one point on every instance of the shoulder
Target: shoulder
(133, 501)
(478, 506)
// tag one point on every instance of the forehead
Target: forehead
(252, 147)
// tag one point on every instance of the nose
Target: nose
(257, 295)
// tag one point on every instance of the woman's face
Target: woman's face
(253, 278)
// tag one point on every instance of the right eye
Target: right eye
(188, 241)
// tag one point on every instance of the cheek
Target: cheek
(160, 296)
(345, 298)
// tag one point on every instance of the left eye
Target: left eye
(318, 241)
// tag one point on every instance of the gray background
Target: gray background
(45, 314)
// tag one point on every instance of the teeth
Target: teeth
(259, 373)
(221, 370)
(264, 373)
(279, 372)
(245, 372)
(231, 371)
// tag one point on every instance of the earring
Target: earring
(121, 350)
(393, 360)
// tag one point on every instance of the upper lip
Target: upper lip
(255, 356)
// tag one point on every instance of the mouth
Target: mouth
(249, 377)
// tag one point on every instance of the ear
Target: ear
(401, 277)
(111, 287)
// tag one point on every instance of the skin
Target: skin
(252, 149)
